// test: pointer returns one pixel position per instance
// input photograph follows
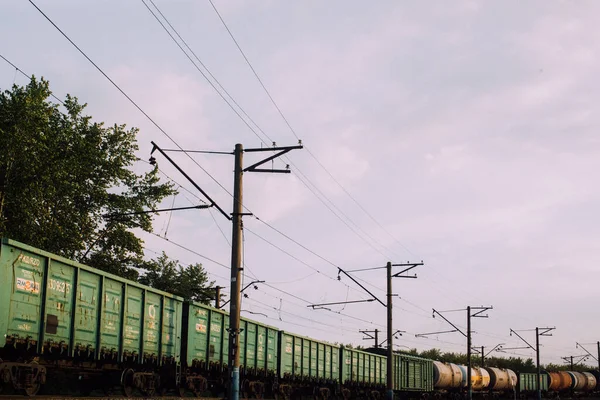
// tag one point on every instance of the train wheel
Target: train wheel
(153, 387)
(32, 390)
(163, 391)
(127, 382)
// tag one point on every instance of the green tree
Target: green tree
(61, 172)
(189, 282)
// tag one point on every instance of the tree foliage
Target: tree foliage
(189, 282)
(567, 367)
(61, 172)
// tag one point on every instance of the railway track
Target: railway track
(55, 397)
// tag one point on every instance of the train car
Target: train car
(501, 380)
(363, 373)
(590, 382)
(571, 381)
(559, 381)
(447, 376)
(527, 386)
(413, 374)
(61, 320)
(596, 374)
(307, 367)
(206, 350)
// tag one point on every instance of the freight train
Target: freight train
(68, 324)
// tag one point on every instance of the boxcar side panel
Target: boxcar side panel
(59, 304)
(242, 342)
(225, 339)
(21, 306)
(216, 345)
(301, 357)
(355, 376)
(320, 360)
(261, 348)
(171, 329)
(272, 349)
(112, 321)
(335, 360)
(86, 310)
(152, 323)
(132, 340)
(287, 357)
(197, 335)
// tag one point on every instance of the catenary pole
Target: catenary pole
(236, 262)
(469, 384)
(537, 356)
(390, 362)
(218, 297)
(482, 357)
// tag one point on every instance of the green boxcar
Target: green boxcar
(527, 382)
(412, 373)
(207, 341)
(67, 309)
(363, 367)
(302, 357)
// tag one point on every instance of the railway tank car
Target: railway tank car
(501, 379)
(571, 381)
(452, 378)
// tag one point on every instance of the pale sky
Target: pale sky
(464, 128)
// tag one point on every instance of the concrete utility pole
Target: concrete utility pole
(537, 353)
(483, 354)
(372, 335)
(477, 314)
(390, 348)
(233, 359)
(236, 271)
(390, 332)
(236, 255)
(469, 383)
(482, 357)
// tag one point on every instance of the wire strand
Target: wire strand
(293, 131)
(128, 97)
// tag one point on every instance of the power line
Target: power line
(300, 317)
(322, 195)
(298, 259)
(21, 71)
(145, 114)
(258, 127)
(191, 251)
(174, 181)
(292, 130)
(172, 259)
(128, 97)
(199, 70)
(151, 120)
